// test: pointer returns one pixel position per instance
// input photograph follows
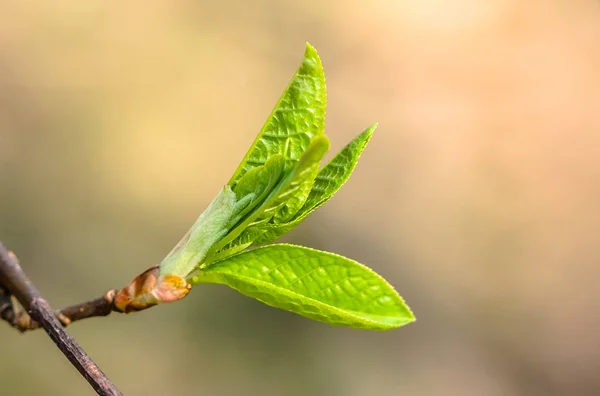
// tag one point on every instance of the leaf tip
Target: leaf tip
(323, 142)
(361, 141)
(310, 50)
(407, 316)
(369, 131)
(312, 60)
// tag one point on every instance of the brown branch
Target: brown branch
(20, 320)
(13, 281)
(101, 306)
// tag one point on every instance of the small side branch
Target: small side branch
(99, 307)
(21, 320)
(13, 281)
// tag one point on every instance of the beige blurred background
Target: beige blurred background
(478, 197)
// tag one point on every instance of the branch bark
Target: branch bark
(14, 282)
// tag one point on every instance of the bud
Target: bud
(149, 289)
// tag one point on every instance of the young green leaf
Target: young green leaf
(327, 183)
(286, 197)
(211, 226)
(276, 186)
(336, 172)
(318, 285)
(294, 194)
(272, 163)
(258, 183)
(298, 117)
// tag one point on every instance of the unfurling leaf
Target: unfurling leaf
(211, 227)
(319, 285)
(297, 118)
(275, 187)
(336, 172)
(327, 183)
(285, 197)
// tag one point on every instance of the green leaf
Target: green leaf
(335, 174)
(318, 285)
(212, 225)
(298, 117)
(294, 192)
(284, 200)
(257, 183)
(225, 211)
(327, 183)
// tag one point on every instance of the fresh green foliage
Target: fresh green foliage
(276, 186)
(283, 201)
(328, 182)
(211, 226)
(298, 117)
(319, 285)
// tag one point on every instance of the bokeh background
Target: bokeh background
(478, 197)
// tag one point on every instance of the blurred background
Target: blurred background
(477, 197)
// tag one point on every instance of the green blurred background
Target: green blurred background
(477, 197)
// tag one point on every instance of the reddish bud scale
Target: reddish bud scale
(149, 289)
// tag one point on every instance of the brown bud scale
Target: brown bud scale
(151, 288)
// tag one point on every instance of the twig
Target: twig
(21, 320)
(101, 306)
(14, 282)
